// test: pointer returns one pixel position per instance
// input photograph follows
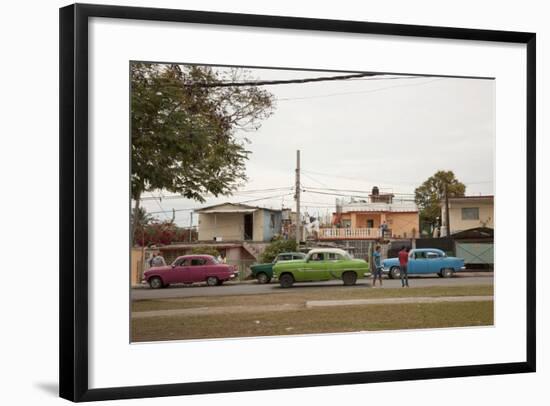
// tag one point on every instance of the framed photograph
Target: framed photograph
(252, 202)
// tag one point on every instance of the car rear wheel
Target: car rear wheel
(155, 283)
(211, 281)
(349, 278)
(395, 272)
(263, 278)
(286, 280)
(447, 272)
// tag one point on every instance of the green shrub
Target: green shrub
(276, 247)
(205, 251)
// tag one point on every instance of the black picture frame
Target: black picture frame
(73, 278)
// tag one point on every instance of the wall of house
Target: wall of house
(271, 228)
(258, 223)
(362, 218)
(237, 254)
(229, 226)
(403, 225)
(486, 216)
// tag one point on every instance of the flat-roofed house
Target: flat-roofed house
(468, 212)
(379, 216)
(238, 222)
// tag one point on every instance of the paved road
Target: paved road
(253, 288)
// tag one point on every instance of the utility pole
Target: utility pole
(297, 197)
(447, 221)
(191, 227)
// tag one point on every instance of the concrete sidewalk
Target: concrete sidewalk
(197, 311)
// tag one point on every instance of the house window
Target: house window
(370, 223)
(470, 213)
(272, 221)
(346, 223)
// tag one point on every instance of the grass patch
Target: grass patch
(315, 320)
(300, 296)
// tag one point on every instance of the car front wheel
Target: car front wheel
(286, 280)
(395, 272)
(155, 283)
(211, 281)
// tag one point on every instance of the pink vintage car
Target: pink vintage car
(189, 269)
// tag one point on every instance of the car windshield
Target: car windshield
(215, 260)
(346, 255)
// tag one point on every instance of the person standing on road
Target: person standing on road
(403, 262)
(150, 260)
(158, 260)
(376, 266)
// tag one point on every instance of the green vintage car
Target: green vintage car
(264, 272)
(321, 265)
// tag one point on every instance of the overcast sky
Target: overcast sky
(387, 131)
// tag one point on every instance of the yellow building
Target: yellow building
(468, 212)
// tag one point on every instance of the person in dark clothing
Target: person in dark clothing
(403, 262)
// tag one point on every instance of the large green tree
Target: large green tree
(187, 130)
(429, 195)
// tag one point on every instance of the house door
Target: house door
(248, 226)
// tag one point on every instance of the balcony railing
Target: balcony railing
(348, 233)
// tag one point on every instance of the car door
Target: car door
(433, 262)
(197, 270)
(179, 272)
(333, 269)
(417, 262)
(315, 269)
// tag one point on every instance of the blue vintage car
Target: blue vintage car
(425, 261)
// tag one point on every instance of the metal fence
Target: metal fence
(476, 254)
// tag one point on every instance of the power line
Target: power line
(385, 181)
(348, 195)
(356, 191)
(358, 92)
(162, 208)
(314, 180)
(241, 202)
(170, 197)
(280, 82)
(356, 179)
